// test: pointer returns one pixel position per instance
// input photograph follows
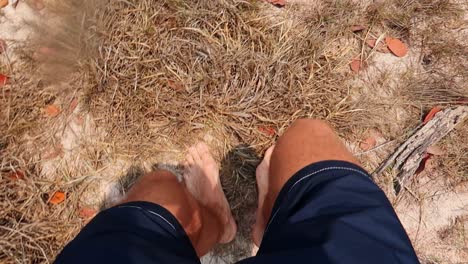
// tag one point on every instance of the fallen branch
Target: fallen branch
(408, 156)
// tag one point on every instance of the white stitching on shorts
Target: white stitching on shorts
(149, 211)
(309, 175)
(330, 168)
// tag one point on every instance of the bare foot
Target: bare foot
(201, 177)
(262, 185)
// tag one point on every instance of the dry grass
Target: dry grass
(443, 48)
(158, 75)
(454, 162)
(31, 231)
(397, 97)
(172, 69)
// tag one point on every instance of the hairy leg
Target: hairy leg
(198, 203)
(307, 141)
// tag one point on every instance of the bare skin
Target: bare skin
(201, 177)
(198, 203)
(305, 142)
(262, 185)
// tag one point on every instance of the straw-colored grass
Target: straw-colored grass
(173, 69)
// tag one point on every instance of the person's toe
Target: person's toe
(206, 155)
(268, 153)
(189, 160)
(263, 167)
(257, 232)
(202, 149)
(193, 151)
(229, 231)
(262, 183)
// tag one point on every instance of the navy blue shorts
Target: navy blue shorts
(328, 212)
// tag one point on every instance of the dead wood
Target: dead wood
(408, 156)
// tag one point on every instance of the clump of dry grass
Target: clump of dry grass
(454, 162)
(456, 232)
(31, 229)
(398, 97)
(170, 69)
(404, 18)
(437, 34)
(443, 50)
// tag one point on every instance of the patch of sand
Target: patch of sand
(436, 208)
(15, 25)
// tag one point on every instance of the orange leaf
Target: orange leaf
(357, 28)
(3, 3)
(396, 46)
(368, 143)
(86, 212)
(52, 110)
(57, 197)
(269, 131)
(3, 80)
(3, 46)
(423, 163)
(431, 114)
(16, 175)
(380, 46)
(357, 65)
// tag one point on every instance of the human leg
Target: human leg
(198, 203)
(161, 220)
(316, 204)
(305, 142)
